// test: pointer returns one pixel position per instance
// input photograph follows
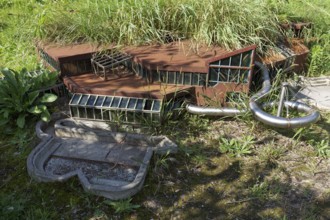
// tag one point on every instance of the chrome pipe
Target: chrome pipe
(282, 96)
(262, 116)
(199, 110)
(281, 122)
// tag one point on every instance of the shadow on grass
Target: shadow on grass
(196, 183)
(232, 191)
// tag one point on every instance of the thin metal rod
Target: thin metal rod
(281, 102)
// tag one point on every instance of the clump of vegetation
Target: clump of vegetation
(318, 37)
(232, 24)
(20, 96)
(322, 148)
(203, 183)
(236, 147)
(122, 206)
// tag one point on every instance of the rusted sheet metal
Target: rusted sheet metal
(292, 54)
(130, 86)
(217, 95)
(180, 56)
(177, 56)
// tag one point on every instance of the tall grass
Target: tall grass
(232, 24)
(228, 23)
(317, 38)
(17, 34)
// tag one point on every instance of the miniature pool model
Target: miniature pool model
(154, 75)
(109, 164)
(137, 81)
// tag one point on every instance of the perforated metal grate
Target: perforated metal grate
(114, 108)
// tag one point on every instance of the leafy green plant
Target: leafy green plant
(320, 57)
(12, 207)
(122, 206)
(236, 147)
(322, 148)
(260, 190)
(20, 96)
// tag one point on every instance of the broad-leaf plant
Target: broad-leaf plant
(20, 96)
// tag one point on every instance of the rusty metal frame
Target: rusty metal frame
(102, 63)
(231, 67)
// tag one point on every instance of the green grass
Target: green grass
(199, 181)
(221, 22)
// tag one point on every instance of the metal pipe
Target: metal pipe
(281, 122)
(262, 116)
(199, 110)
(211, 111)
(282, 96)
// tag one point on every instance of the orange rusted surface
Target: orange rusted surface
(180, 56)
(276, 59)
(128, 86)
(57, 51)
(216, 96)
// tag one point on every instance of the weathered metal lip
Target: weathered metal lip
(69, 131)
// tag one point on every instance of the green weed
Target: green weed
(271, 153)
(260, 190)
(236, 147)
(122, 206)
(322, 148)
(199, 159)
(138, 22)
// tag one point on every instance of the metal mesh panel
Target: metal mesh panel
(106, 62)
(49, 60)
(113, 108)
(232, 69)
(180, 78)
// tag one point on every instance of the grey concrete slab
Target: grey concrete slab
(127, 154)
(316, 95)
(84, 149)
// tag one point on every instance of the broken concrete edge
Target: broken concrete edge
(123, 191)
(111, 189)
(82, 129)
(164, 147)
(41, 125)
(304, 89)
(41, 154)
(314, 103)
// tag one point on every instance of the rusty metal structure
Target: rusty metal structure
(155, 74)
(105, 63)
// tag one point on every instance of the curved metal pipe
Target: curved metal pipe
(281, 122)
(262, 116)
